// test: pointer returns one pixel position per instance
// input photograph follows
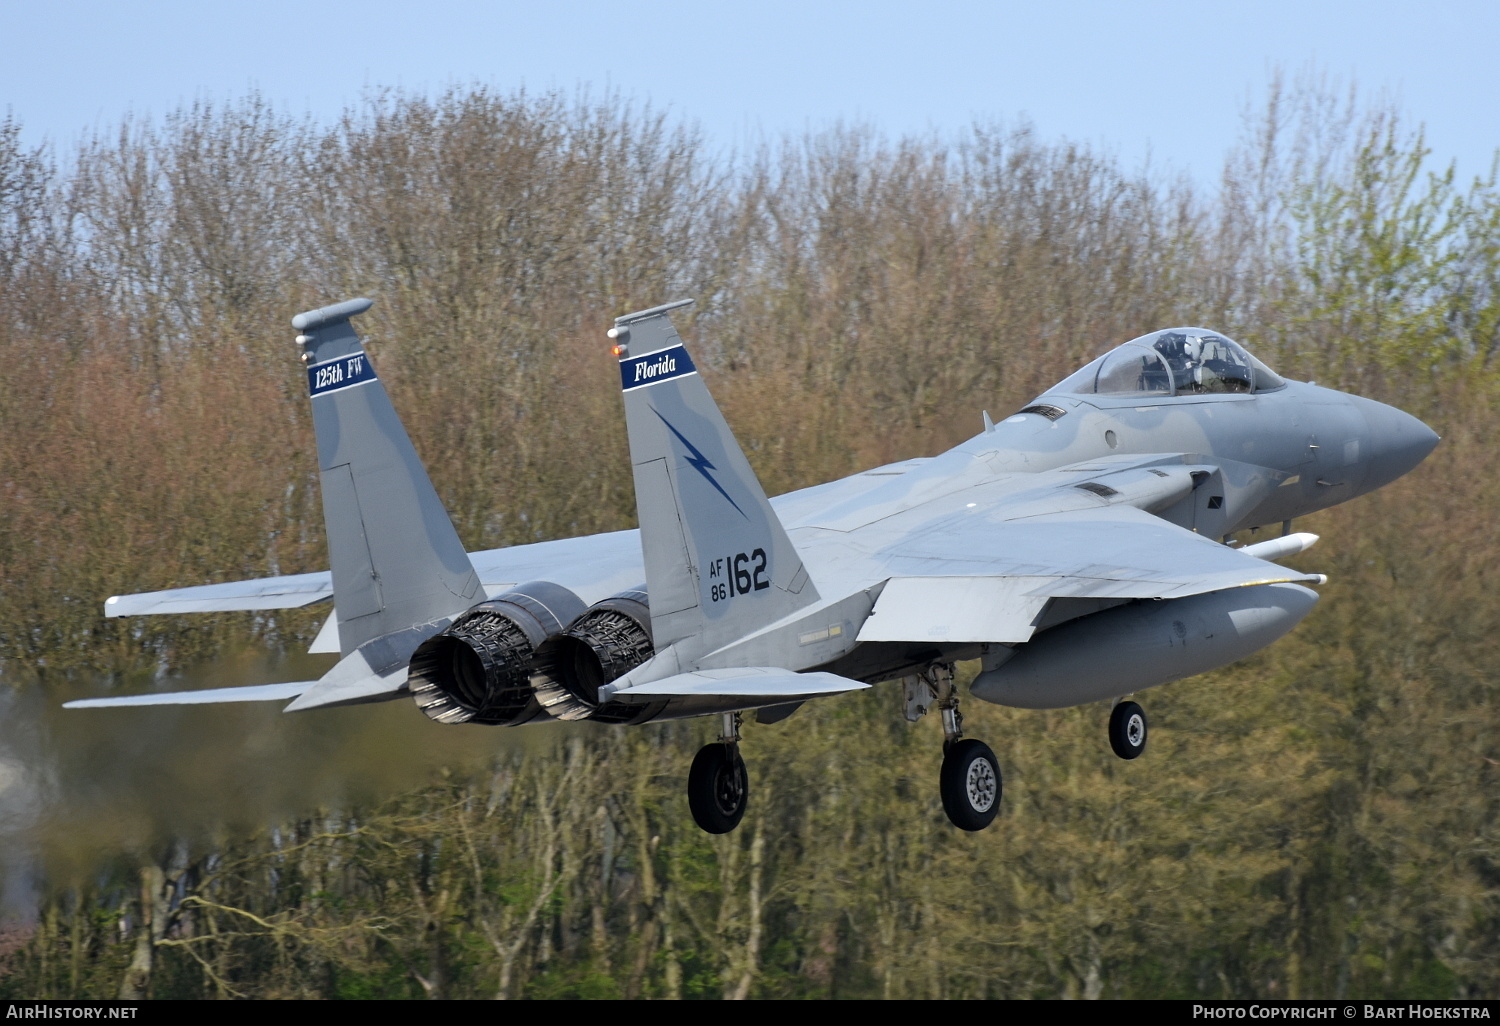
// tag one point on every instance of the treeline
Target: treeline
(1318, 820)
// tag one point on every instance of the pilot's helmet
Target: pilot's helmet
(1169, 345)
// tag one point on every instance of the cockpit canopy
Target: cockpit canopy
(1177, 361)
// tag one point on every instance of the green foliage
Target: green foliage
(1395, 265)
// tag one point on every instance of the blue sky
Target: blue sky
(1163, 80)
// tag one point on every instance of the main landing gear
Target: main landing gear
(969, 781)
(1127, 730)
(718, 788)
(970, 784)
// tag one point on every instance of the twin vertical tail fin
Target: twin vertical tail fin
(399, 571)
(395, 557)
(719, 565)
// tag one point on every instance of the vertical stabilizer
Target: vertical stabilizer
(395, 557)
(719, 565)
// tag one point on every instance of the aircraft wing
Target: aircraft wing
(290, 592)
(983, 578)
(604, 563)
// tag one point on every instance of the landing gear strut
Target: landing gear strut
(718, 787)
(969, 781)
(1127, 730)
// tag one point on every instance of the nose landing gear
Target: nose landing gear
(1127, 730)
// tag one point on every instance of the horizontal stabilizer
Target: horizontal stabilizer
(350, 688)
(748, 682)
(290, 592)
(372, 673)
(207, 696)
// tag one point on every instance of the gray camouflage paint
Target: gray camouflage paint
(1164, 477)
(395, 558)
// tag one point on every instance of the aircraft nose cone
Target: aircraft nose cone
(1397, 442)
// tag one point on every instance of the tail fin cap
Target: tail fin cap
(326, 316)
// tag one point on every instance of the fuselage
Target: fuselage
(1286, 454)
(1328, 446)
(1265, 458)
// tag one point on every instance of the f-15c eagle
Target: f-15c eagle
(1075, 549)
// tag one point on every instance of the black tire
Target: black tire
(970, 785)
(718, 788)
(1127, 730)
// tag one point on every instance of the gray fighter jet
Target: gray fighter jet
(1076, 549)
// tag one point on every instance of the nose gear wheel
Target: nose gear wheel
(1127, 730)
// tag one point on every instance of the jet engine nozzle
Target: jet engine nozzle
(611, 638)
(479, 669)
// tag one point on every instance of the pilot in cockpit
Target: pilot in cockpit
(1177, 361)
(1203, 363)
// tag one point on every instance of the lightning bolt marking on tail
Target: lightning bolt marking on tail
(700, 463)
